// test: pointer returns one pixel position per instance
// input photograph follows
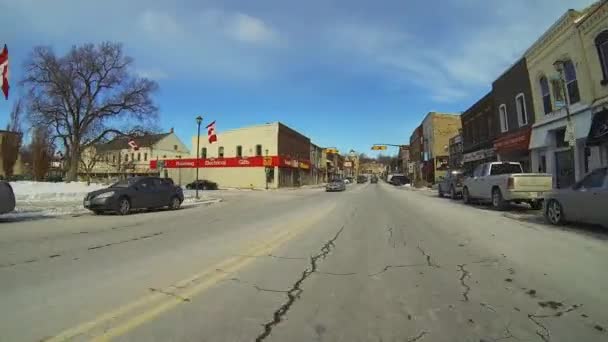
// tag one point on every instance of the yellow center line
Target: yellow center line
(158, 303)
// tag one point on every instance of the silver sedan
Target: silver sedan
(586, 201)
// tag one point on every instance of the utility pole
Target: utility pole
(199, 120)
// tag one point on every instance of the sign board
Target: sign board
(348, 164)
(378, 147)
(478, 155)
(257, 161)
(332, 150)
(160, 164)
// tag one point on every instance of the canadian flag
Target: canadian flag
(211, 132)
(4, 71)
(133, 144)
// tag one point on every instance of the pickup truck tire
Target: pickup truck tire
(554, 213)
(466, 198)
(497, 201)
(536, 205)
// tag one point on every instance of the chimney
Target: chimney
(171, 130)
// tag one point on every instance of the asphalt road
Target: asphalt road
(374, 263)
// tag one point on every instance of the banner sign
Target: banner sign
(230, 162)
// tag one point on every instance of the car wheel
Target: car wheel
(554, 213)
(124, 206)
(465, 196)
(452, 193)
(536, 205)
(497, 201)
(97, 212)
(175, 203)
(439, 192)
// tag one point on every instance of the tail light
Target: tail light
(510, 183)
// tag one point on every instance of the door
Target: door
(144, 194)
(162, 192)
(591, 198)
(474, 184)
(564, 169)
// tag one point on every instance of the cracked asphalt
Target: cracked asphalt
(373, 263)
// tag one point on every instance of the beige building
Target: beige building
(564, 75)
(269, 155)
(18, 168)
(437, 129)
(116, 158)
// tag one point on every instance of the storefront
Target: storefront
(559, 148)
(472, 159)
(514, 148)
(597, 140)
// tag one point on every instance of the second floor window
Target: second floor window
(571, 82)
(220, 152)
(546, 94)
(175, 147)
(145, 156)
(522, 115)
(138, 156)
(113, 158)
(258, 150)
(204, 153)
(601, 41)
(239, 151)
(126, 157)
(502, 113)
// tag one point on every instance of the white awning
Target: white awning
(582, 123)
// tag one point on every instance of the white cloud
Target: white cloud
(153, 74)
(252, 30)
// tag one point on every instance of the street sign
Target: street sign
(332, 150)
(160, 164)
(378, 147)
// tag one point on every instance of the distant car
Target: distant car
(202, 184)
(135, 193)
(361, 179)
(399, 180)
(336, 185)
(374, 179)
(451, 184)
(7, 198)
(346, 181)
(586, 201)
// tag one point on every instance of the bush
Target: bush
(54, 179)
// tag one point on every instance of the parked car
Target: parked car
(346, 181)
(361, 179)
(586, 201)
(399, 180)
(135, 193)
(202, 184)
(336, 185)
(451, 184)
(503, 182)
(374, 179)
(7, 198)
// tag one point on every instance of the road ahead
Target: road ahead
(374, 263)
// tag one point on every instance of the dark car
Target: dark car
(7, 198)
(451, 184)
(335, 185)
(361, 179)
(399, 180)
(374, 179)
(135, 193)
(202, 184)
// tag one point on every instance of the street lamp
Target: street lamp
(559, 66)
(267, 170)
(199, 120)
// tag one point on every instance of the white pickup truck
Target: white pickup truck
(503, 182)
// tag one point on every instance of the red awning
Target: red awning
(514, 141)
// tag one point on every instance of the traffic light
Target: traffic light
(378, 147)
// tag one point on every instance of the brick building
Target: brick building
(437, 129)
(478, 133)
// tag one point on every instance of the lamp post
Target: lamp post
(559, 67)
(199, 120)
(267, 170)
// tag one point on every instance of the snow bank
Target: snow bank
(28, 191)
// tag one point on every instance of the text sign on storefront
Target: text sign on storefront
(512, 142)
(256, 161)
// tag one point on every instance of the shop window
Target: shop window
(146, 156)
(560, 138)
(113, 158)
(601, 41)
(258, 150)
(504, 122)
(546, 94)
(543, 164)
(586, 159)
(220, 152)
(204, 153)
(522, 115)
(571, 82)
(239, 151)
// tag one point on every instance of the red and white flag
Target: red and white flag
(133, 144)
(4, 71)
(211, 132)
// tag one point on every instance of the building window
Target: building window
(502, 113)
(220, 152)
(146, 156)
(175, 147)
(560, 138)
(546, 94)
(113, 158)
(107, 158)
(204, 153)
(132, 156)
(239, 151)
(522, 113)
(138, 156)
(126, 157)
(571, 82)
(601, 41)
(258, 150)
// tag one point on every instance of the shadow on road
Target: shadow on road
(536, 217)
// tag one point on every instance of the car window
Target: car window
(505, 168)
(146, 184)
(159, 183)
(593, 180)
(478, 171)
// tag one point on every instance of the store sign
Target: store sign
(442, 163)
(478, 155)
(516, 141)
(230, 162)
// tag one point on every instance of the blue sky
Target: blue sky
(346, 73)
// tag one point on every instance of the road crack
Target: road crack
(463, 275)
(544, 333)
(296, 290)
(417, 337)
(171, 294)
(428, 257)
(387, 267)
(125, 241)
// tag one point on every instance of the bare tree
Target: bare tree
(11, 142)
(84, 96)
(42, 153)
(88, 160)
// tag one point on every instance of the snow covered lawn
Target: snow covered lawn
(45, 199)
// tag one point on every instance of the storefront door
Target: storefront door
(564, 169)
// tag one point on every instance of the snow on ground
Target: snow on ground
(45, 199)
